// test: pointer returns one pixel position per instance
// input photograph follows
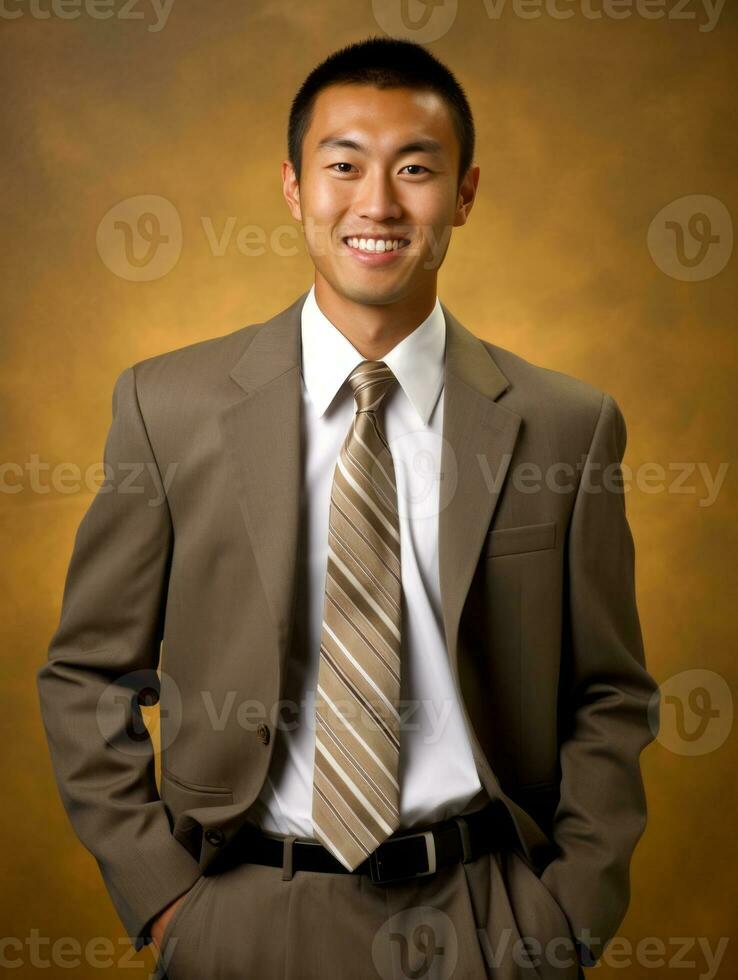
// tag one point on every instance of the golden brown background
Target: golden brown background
(587, 128)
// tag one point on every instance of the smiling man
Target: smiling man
(403, 695)
(379, 174)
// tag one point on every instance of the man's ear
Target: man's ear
(291, 189)
(466, 195)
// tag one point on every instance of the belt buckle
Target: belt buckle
(430, 850)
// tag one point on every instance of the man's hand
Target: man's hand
(160, 923)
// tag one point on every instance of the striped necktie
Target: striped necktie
(357, 732)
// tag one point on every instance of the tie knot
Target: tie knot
(370, 381)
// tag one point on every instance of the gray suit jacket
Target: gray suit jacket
(187, 553)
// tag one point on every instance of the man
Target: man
(403, 696)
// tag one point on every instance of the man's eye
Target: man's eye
(416, 168)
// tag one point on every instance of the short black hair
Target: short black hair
(383, 62)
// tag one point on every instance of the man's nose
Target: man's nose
(377, 198)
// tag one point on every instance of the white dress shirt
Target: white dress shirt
(437, 773)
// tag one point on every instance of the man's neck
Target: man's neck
(373, 329)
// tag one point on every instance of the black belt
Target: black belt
(405, 854)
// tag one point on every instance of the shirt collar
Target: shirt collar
(328, 357)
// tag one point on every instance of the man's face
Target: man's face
(379, 165)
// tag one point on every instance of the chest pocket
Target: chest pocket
(519, 540)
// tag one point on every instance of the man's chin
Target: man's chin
(370, 294)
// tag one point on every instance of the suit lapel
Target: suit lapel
(478, 441)
(263, 438)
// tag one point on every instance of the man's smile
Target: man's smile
(376, 244)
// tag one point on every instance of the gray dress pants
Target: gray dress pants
(466, 921)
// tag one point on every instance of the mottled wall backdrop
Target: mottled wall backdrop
(143, 211)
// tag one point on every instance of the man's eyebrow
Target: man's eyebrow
(420, 145)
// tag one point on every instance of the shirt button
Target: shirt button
(263, 732)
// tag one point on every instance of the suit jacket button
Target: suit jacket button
(263, 732)
(214, 837)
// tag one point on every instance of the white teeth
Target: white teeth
(375, 244)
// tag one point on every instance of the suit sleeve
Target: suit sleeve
(610, 704)
(101, 666)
